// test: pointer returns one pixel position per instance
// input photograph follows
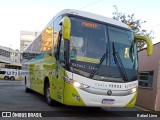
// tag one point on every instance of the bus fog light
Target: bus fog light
(76, 97)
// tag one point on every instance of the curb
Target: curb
(144, 109)
(141, 108)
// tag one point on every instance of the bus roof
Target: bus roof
(93, 16)
(86, 15)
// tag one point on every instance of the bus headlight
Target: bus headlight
(133, 90)
(78, 84)
(75, 83)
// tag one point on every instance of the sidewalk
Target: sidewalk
(148, 110)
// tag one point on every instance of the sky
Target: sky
(34, 15)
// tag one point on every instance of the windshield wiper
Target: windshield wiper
(101, 60)
(119, 63)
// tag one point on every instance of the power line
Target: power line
(155, 26)
(86, 6)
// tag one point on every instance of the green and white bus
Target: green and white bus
(84, 59)
(10, 71)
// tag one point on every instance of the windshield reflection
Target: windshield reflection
(124, 44)
(91, 41)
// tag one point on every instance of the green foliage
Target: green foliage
(134, 24)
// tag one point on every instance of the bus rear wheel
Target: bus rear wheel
(48, 99)
(12, 78)
(6, 77)
(27, 90)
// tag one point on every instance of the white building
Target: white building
(15, 55)
(9, 55)
(26, 37)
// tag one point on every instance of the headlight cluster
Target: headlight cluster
(75, 83)
(133, 90)
(78, 84)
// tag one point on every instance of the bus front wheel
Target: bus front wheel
(48, 99)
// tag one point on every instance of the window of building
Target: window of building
(146, 79)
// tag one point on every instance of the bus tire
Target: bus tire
(47, 97)
(6, 77)
(27, 90)
(12, 78)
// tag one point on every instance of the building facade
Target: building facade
(15, 55)
(149, 79)
(26, 37)
(9, 55)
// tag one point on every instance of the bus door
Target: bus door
(59, 83)
(60, 54)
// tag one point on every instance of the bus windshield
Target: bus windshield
(91, 40)
(88, 38)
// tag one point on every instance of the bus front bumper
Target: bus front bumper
(78, 97)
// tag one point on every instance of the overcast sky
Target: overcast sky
(33, 15)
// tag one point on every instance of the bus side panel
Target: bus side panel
(32, 79)
(48, 74)
(57, 83)
(39, 72)
(53, 83)
(37, 77)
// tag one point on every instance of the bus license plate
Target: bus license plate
(108, 101)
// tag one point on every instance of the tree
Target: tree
(134, 24)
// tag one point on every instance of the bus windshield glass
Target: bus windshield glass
(91, 40)
(88, 40)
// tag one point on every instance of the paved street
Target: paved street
(14, 98)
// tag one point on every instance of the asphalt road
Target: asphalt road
(14, 99)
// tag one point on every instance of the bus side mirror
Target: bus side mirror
(148, 41)
(66, 28)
